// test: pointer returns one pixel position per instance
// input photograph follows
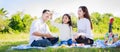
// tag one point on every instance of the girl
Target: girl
(65, 29)
(84, 26)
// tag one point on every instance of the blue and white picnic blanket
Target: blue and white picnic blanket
(97, 44)
(101, 44)
(25, 46)
(20, 47)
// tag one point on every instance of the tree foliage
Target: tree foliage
(20, 22)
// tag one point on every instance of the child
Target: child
(84, 25)
(65, 29)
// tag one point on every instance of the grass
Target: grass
(9, 40)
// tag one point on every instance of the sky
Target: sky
(60, 7)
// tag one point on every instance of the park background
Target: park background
(16, 17)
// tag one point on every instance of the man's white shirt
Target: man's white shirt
(38, 26)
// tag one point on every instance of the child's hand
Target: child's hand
(73, 40)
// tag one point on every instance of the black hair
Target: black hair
(69, 17)
(86, 15)
(45, 10)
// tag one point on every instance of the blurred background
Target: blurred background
(16, 17)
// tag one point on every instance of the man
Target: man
(39, 32)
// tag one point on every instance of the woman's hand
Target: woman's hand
(76, 36)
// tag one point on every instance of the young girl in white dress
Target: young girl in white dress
(65, 29)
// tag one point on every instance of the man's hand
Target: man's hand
(42, 35)
(37, 34)
(47, 35)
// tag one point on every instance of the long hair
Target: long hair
(86, 15)
(69, 17)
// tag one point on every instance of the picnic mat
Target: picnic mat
(97, 44)
(25, 46)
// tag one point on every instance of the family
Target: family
(40, 34)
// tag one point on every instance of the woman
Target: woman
(84, 26)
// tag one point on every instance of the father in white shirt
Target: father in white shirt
(39, 31)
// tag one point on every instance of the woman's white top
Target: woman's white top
(84, 27)
(65, 31)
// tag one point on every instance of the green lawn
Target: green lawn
(9, 40)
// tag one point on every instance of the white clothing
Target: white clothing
(65, 31)
(38, 26)
(84, 27)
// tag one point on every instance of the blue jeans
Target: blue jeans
(45, 42)
(41, 43)
(53, 40)
(68, 42)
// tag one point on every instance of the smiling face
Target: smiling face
(80, 13)
(65, 19)
(46, 16)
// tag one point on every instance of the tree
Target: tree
(3, 20)
(95, 17)
(3, 12)
(16, 22)
(27, 20)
